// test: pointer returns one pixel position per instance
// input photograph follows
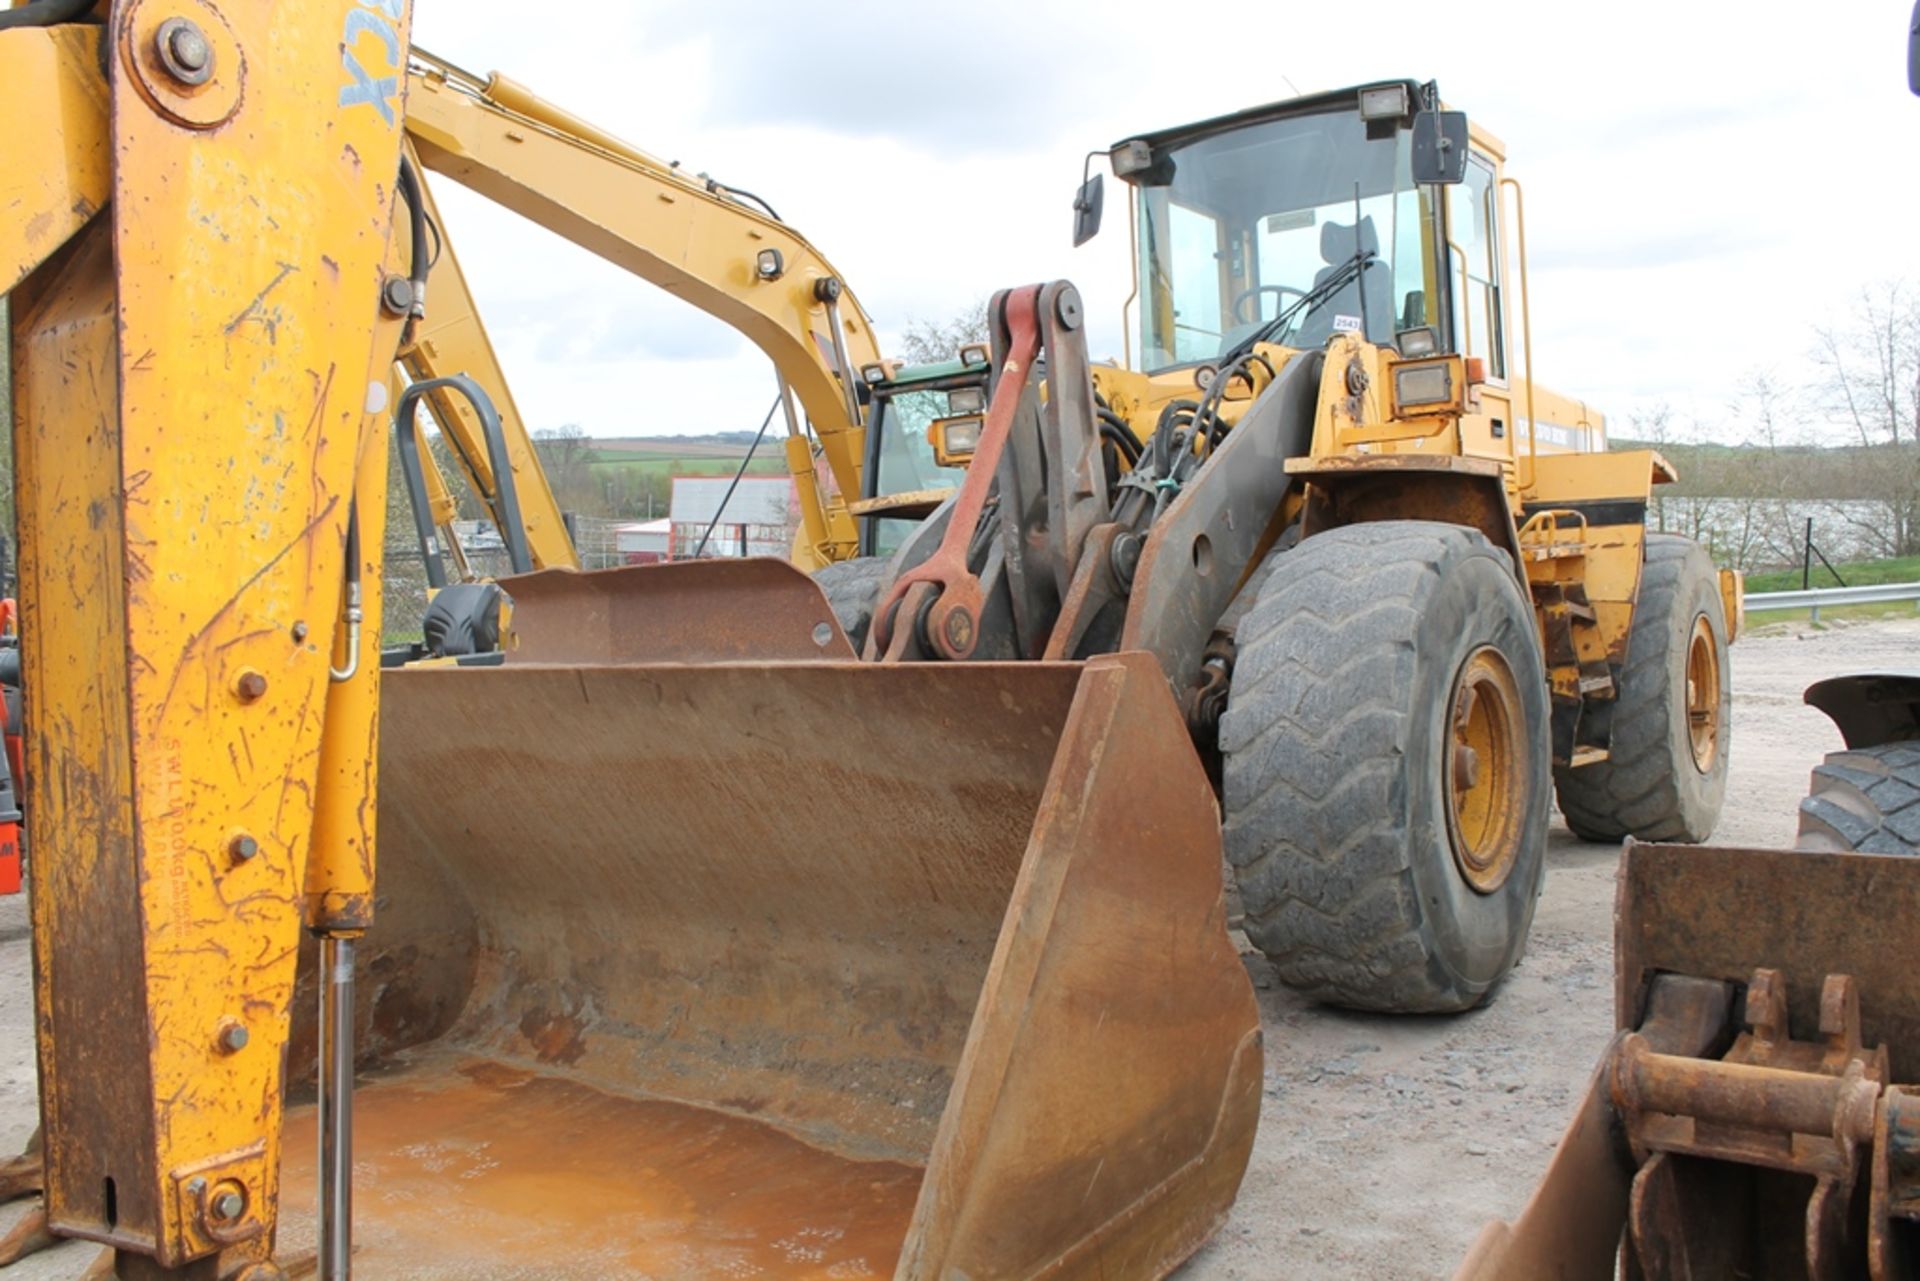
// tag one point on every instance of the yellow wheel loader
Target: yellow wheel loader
(1401, 595)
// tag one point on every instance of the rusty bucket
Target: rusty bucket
(808, 969)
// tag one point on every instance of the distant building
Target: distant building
(759, 519)
(644, 543)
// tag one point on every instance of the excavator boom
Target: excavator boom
(736, 263)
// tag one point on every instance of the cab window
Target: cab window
(1473, 209)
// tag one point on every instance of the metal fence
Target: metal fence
(1828, 597)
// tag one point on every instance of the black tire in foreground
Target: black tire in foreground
(1387, 767)
(1666, 775)
(1866, 801)
(853, 589)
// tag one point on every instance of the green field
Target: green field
(684, 456)
(1904, 569)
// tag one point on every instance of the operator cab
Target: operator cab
(906, 478)
(1363, 211)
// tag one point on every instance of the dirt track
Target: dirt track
(1384, 1143)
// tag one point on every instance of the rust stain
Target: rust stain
(39, 225)
(479, 1171)
(554, 1038)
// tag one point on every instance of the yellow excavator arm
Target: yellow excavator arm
(684, 234)
(452, 339)
(200, 396)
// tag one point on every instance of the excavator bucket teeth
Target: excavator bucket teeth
(793, 970)
(1694, 928)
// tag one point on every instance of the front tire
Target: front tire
(1865, 802)
(1380, 868)
(852, 588)
(1666, 774)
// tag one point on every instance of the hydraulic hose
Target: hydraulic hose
(45, 13)
(1114, 430)
(423, 256)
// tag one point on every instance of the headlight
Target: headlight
(1423, 340)
(769, 264)
(967, 400)
(1388, 102)
(1426, 383)
(954, 440)
(1130, 158)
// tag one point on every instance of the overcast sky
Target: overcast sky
(1704, 181)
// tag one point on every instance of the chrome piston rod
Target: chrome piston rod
(336, 1109)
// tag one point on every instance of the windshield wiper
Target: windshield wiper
(1344, 275)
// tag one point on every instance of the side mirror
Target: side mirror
(1913, 51)
(1087, 207)
(1440, 147)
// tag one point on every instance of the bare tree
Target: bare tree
(567, 456)
(927, 342)
(1870, 386)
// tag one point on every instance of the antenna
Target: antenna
(1360, 280)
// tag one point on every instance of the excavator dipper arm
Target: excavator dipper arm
(200, 373)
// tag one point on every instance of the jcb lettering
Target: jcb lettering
(378, 90)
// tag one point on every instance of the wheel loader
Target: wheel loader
(703, 944)
(1402, 592)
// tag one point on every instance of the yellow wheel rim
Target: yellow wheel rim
(1482, 765)
(1703, 694)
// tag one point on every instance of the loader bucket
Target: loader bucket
(803, 969)
(1712, 918)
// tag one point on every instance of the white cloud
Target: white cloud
(1703, 182)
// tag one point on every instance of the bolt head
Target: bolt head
(228, 1206)
(959, 629)
(234, 1036)
(299, 632)
(397, 295)
(243, 847)
(249, 686)
(184, 51)
(1067, 308)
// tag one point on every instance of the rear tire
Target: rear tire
(852, 588)
(1654, 785)
(1342, 823)
(1865, 801)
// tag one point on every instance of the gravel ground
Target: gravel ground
(1385, 1143)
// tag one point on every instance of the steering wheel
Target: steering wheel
(1279, 293)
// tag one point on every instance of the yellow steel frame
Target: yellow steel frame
(55, 175)
(200, 391)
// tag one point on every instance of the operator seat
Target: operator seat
(1337, 247)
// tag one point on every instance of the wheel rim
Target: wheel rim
(1482, 767)
(1703, 694)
